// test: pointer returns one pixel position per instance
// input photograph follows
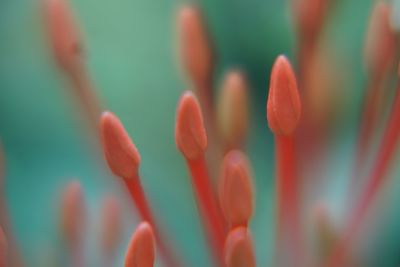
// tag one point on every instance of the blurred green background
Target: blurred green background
(131, 53)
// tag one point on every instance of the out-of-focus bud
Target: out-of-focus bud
(233, 109)
(63, 34)
(195, 49)
(310, 17)
(323, 87)
(111, 226)
(380, 44)
(73, 214)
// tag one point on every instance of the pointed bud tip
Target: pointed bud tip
(283, 105)
(236, 189)
(190, 134)
(121, 153)
(239, 249)
(187, 13)
(141, 250)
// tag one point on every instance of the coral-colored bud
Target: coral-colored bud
(380, 45)
(239, 250)
(190, 134)
(233, 108)
(121, 153)
(310, 16)
(73, 213)
(284, 105)
(195, 51)
(63, 33)
(236, 189)
(141, 250)
(111, 223)
(324, 81)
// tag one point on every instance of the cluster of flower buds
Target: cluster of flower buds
(222, 181)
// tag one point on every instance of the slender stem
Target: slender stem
(374, 184)
(206, 99)
(289, 224)
(209, 209)
(139, 198)
(380, 168)
(87, 97)
(369, 118)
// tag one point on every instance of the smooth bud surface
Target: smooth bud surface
(141, 250)
(236, 189)
(121, 153)
(190, 134)
(283, 105)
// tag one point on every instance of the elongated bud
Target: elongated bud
(195, 50)
(111, 230)
(121, 153)
(63, 33)
(380, 44)
(190, 134)
(284, 105)
(310, 16)
(3, 248)
(233, 108)
(236, 189)
(323, 83)
(141, 250)
(73, 214)
(239, 250)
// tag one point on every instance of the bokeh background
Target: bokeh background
(131, 53)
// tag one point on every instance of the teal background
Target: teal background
(131, 54)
